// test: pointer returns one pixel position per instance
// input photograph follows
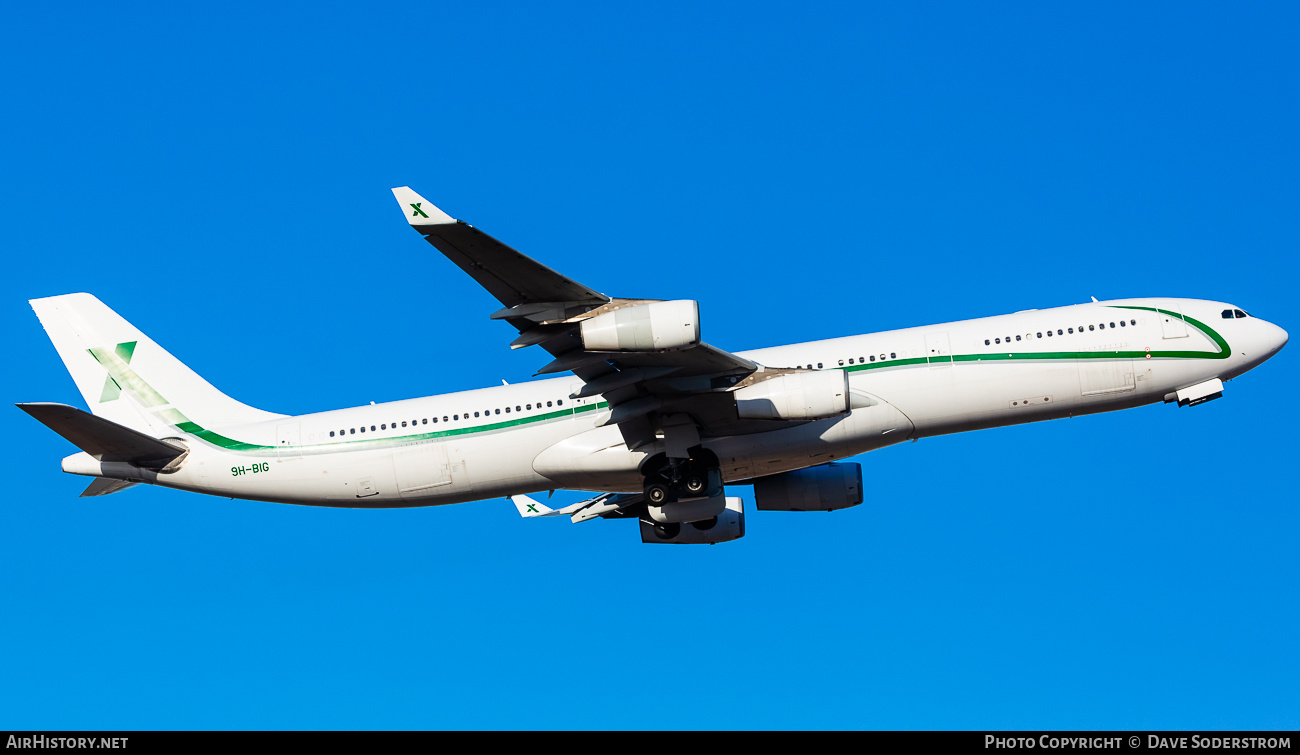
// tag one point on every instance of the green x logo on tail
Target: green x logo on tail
(533, 508)
(418, 211)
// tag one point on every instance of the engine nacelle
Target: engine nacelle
(728, 525)
(657, 326)
(824, 488)
(687, 511)
(801, 395)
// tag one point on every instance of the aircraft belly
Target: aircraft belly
(973, 395)
(599, 459)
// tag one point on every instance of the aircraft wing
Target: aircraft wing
(644, 388)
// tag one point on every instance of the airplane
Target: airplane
(648, 416)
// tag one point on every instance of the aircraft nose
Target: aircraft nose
(1277, 338)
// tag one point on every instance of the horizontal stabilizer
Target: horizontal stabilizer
(104, 486)
(529, 507)
(102, 439)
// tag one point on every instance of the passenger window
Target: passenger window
(1059, 333)
(354, 431)
(363, 429)
(498, 411)
(819, 365)
(331, 433)
(1112, 325)
(891, 355)
(986, 342)
(1049, 334)
(548, 403)
(530, 407)
(383, 427)
(372, 428)
(873, 359)
(1040, 335)
(841, 362)
(456, 417)
(850, 360)
(1017, 338)
(475, 414)
(559, 402)
(518, 409)
(1091, 328)
(999, 340)
(1121, 324)
(403, 424)
(882, 357)
(1132, 322)
(507, 410)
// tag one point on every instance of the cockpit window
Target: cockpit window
(1239, 313)
(1227, 314)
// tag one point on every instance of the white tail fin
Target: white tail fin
(127, 378)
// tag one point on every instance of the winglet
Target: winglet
(529, 508)
(418, 210)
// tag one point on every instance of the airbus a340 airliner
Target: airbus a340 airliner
(653, 419)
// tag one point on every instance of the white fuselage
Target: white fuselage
(920, 382)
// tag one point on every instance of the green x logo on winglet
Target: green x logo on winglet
(533, 508)
(418, 211)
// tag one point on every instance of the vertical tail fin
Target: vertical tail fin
(127, 378)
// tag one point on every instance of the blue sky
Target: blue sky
(220, 177)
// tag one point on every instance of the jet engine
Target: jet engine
(824, 488)
(799, 395)
(657, 326)
(727, 525)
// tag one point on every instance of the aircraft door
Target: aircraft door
(420, 467)
(288, 442)
(1102, 378)
(1172, 325)
(937, 350)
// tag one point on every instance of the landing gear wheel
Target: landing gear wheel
(695, 484)
(656, 493)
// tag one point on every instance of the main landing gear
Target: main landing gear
(669, 480)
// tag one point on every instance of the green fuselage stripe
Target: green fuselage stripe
(119, 370)
(1223, 353)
